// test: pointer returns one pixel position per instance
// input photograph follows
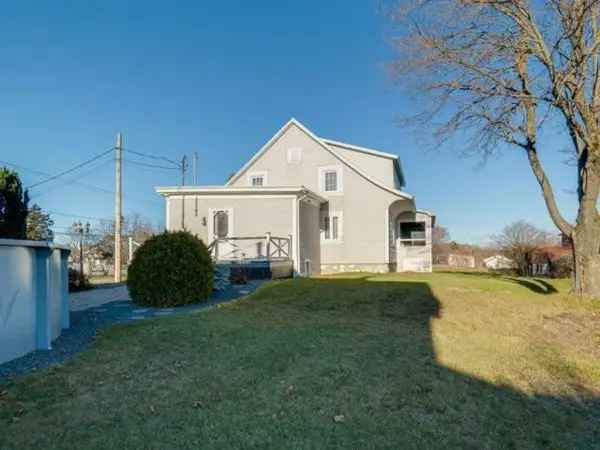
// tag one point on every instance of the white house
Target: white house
(498, 262)
(328, 206)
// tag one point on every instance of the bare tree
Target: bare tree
(440, 237)
(499, 72)
(519, 241)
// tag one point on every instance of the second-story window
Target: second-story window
(294, 155)
(257, 179)
(331, 184)
(330, 179)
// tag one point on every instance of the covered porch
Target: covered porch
(410, 238)
(269, 229)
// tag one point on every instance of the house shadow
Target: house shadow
(430, 404)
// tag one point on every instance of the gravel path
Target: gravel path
(99, 308)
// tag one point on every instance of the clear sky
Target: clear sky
(220, 78)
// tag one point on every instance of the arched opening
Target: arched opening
(410, 238)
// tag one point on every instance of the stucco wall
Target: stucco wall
(34, 299)
(252, 216)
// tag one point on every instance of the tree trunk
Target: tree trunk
(586, 234)
(586, 256)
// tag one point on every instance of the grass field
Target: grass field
(448, 360)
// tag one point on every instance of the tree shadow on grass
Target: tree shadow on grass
(536, 285)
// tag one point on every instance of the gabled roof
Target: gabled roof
(372, 152)
(294, 122)
(356, 148)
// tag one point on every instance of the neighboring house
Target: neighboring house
(458, 260)
(497, 262)
(338, 207)
(552, 260)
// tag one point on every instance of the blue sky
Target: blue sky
(220, 78)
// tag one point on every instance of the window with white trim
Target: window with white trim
(330, 179)
(331, 226)
(257, 179)
(294, 155)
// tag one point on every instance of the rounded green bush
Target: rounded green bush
(170, 269)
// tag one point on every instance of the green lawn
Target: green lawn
(448, 360)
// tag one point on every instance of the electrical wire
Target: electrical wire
(70, 181)
(146, 155)
(72, 169)
(77, 216)
(154, 166)
(46, 174)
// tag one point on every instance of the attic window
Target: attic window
(294, 155)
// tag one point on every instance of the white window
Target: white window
(331, 184)
(294, 155)
(331, 226)
(330, 179)
(257, 179)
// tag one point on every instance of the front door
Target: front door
(222, 229)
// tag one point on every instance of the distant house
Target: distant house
(498, 262)
(325, 205)
(552, 260)
(457, 260)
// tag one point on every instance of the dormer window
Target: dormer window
(257, 179)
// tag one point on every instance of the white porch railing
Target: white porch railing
(265, 247)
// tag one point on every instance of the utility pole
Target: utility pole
(118, 209)
(82, 230)
(196, 183)
(195, 168)
(183, 169)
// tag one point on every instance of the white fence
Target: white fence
(34, 296)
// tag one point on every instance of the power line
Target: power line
(154, 166)
(77, 216)
(146, 155)
(46, 174)
(72, 169)
(69, 181)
